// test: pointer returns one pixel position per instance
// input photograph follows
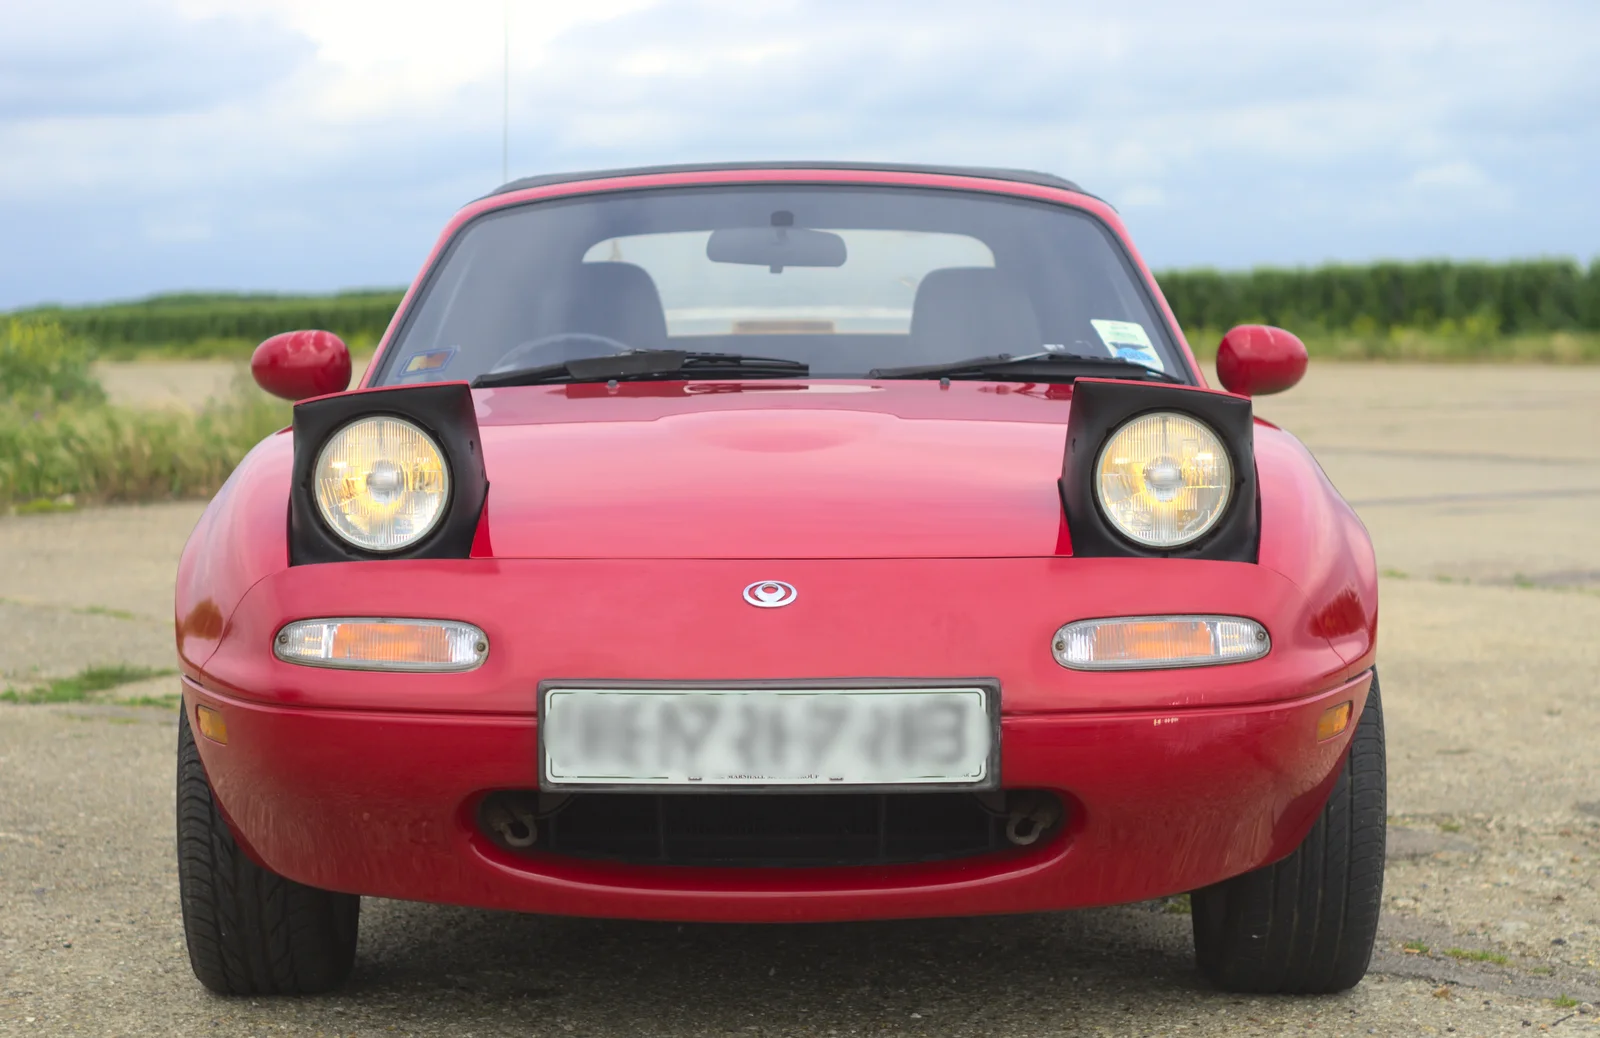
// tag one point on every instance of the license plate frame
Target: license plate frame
(989, 686)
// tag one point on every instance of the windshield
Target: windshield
(841, 279)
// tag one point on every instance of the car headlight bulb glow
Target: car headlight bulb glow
(381, 483)
(1164, 479)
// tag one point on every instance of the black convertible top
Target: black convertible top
(1021, 176)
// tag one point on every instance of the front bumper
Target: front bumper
(384, 804)
(370, 783)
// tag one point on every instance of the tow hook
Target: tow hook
(1029, 816)
(511, 819)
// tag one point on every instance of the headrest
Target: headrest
(962, 312)
(617, 300)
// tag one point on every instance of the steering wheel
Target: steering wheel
(557, 349)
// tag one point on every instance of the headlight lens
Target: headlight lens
(381, 483)
(1164, 479)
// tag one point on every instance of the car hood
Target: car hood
(905, 470)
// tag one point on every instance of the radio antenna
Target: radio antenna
(505, 91)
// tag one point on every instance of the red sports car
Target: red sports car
(780, 543)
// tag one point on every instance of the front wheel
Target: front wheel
(251, 931)
(1307, 924)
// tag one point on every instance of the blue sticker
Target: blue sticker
(1127, 340)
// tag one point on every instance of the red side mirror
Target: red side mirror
(298, 365)
(1254, 359)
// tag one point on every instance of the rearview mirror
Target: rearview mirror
(300, 365)
(776, 247)
(1255, 359)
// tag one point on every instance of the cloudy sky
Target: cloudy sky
(154, 145)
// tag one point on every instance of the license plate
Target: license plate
(732, 738)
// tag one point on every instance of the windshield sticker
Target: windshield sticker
(432, 360)
(1127, 340)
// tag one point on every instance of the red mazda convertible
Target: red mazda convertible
(780, 543)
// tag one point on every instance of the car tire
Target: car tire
(250, 931)
(1307, 924)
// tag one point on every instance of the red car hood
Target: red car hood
(821, 470)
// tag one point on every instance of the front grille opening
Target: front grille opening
(770, 829)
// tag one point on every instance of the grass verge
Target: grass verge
(62, 445)
(1474, 955)
(55, 459)
(80, 686)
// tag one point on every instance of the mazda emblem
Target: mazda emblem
(770, 594)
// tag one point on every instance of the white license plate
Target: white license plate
(707, 738)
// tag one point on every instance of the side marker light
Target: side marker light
(1334, 720)
(211, 724)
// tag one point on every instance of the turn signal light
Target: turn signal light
(211, 724)
(1151, 642)
(383, 644)
(1334, 720)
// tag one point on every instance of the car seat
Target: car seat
(962, 312)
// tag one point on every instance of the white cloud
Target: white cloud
(1142, 196)
(1451, 176)
(323, 142)
(135, 58)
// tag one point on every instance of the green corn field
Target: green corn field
(1495, 298)
(1402, 310)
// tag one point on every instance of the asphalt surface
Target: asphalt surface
(1480, 486)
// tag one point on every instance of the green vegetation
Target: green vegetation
(1564, 1002)
(1414, 948)
(98, 610)
(1440, 344)
(220, 324)
(1467, 298)
(81, 685)
(165, 702)
(1477, 956)
(97, 453)
(1177, 905)
(41, 365)
(61, 445)
(1532, 310)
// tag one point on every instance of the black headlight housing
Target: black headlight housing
(444, 411)
(1099, 408)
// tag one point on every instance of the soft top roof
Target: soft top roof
(1021, 176)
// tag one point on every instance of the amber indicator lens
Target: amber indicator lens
(1333, 721)
(383, 644)
(211, 724)
(1149, 642)
(1164, 479)
(381, 483)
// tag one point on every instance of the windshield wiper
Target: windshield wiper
(647, 364)
(1032, 367)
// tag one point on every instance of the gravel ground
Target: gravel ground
(1478, 485)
